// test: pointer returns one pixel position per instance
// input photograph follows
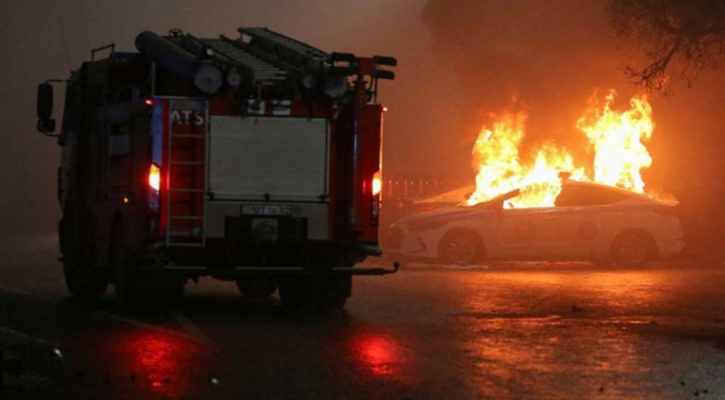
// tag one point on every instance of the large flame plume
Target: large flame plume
(615, 138)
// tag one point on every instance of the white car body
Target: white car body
(584, 225)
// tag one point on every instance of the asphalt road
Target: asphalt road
(519, 331)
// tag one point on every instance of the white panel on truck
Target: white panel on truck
(285, 158)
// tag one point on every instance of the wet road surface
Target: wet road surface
(519, 331)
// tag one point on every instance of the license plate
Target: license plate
(259, 209)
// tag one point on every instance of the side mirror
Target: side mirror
(46, 124)
(45, 100)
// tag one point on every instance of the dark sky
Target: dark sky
(458, 61)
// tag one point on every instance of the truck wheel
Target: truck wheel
(168, 290)
(334, 292)
(292, 292)
(256, 288)
(320, 293)
(83, 284)
(130, 285)
(84, 280)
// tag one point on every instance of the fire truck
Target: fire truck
(254, 159)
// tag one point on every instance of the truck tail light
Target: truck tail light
(156, 220)
(155, 177)
(377, 187)
(377, 183)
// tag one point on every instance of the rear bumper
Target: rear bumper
(228, 260)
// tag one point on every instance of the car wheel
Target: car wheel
(632, 248)
(460, 248)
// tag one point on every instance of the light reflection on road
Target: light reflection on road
(159, 364)
(379, 354)
(584, 335)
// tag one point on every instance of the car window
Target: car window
(577, 196)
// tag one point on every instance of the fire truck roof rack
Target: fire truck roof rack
(278, 43)
(259, 57)
(254, 69)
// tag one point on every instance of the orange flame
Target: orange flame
(615, 138)
(617, 141)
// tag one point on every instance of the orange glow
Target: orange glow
(377, 183)
(155, 177)
(615, 138)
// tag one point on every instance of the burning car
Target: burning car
(587, 221)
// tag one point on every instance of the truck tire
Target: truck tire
(256, 288)
(84, 280)
(335, 291)
(134, 286)
(83, 285)
(128, 284)
(292, 292)
(319, 293)
(167, 290)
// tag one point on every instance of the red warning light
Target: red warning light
(149, 102)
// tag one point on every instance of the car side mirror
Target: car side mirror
(46, 124)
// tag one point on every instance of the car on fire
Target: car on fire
(588, 221)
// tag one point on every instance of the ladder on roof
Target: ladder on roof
(275, 42)
(186, 173)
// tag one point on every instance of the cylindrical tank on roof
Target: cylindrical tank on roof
(207, 77)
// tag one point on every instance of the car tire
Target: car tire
(460, 247)
(633, 248)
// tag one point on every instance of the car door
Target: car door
(588, 210)
(519, 234)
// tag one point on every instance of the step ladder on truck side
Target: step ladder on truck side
(186, 160)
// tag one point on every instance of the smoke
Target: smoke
(549, 55)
